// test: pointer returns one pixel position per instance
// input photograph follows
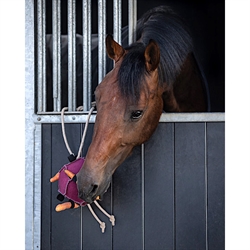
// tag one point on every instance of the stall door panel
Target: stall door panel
(216, 185)
(159, 188)
(190, 187)
(46, 204)
(127, 203)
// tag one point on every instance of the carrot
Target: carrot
(64, 206)
(55, 177)
(69, 174)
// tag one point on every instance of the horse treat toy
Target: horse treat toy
(67, 187)
(66, 177)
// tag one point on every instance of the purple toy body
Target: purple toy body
(66, 186)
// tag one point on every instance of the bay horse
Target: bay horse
(158, 72)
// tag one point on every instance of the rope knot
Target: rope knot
(102, 226)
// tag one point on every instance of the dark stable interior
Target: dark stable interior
(206, 20)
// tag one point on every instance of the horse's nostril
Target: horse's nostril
(89, 194)
(94, 189)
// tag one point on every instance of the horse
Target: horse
(157, 73)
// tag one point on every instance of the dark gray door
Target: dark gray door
(169, 194)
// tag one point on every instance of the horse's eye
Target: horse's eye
(136, 114)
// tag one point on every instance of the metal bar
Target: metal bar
(135, 18)
(80, 117)
(55, 51)
(56, 26)
(101, 39)
(29, 124)
(68, 118)
(86, 54)
(85, 51)
(89, 84)
(41, 56)
(37, 185)
(71, 55)
(117, 21)
(192, 117)
(132, 19)
(44, 53)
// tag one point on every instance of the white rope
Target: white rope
(111, 217)
(63, 130)
(102, 224)
(84, 132)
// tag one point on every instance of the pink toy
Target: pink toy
(67, 186)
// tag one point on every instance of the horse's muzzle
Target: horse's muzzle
(90, 194)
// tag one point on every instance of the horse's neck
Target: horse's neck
(187, 94)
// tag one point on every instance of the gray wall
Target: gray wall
(169, 194)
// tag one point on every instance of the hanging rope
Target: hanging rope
(84, 132)
(102, 224)
(63, 131)
(111, 217)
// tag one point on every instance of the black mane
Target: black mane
(168, 30)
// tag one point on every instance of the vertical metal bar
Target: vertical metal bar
(89, 84)
(71, 55)
(44, 54)
(37, 185)
(101, 39)
(55, 51)
(117, 21)
(29, 125)
(59, 55)
(85, 51)
(132, 19)
(86, 54)
(41, 56)
(56, 26)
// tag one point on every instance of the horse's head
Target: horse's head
(126, 115)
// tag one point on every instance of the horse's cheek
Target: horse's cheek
(151, 122)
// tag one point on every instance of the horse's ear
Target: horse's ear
(115, 51)
(152, 55)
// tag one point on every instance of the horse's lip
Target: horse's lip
(102, 193)
(89, 200)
